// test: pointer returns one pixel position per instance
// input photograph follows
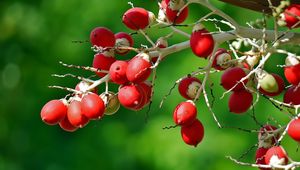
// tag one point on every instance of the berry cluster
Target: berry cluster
(192, 130)
(243, 75)
(73, 114)
(269, 151)
(134, 91)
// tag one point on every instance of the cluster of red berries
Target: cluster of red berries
(185, 113)
(79, 109)
(75, 114)
(270, 84)
(192, 130)
(135, 90)
(269, 152)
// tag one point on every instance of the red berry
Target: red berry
(130, 96)
(137, 18)
(53, 112)
(263, 136)
(292, 95)
(280, 83)
(267, 81)
(138, 69)
(185, 113)
(102, 37)
(92, 106)
(144, 99)
(188, 87)
(260, 157)
(292, 74)
(117, 72)
(67, 126)
(221, 57)
(201, 41)
(147, 87)
(231, 77)
(276, 156)
(123, 39)
(172, 11)
(193, 134)
(290, 14)
(294, 129)
(75, 115)
(103, 61)
(240, 101)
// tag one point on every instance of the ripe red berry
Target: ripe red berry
(103, 61)
(201, 41)
(172, 11)
(188, 87)
(231, 77)
(117, 72)
(280, 84)
(131, 96)
(292, 95)
(111, 101)
(123, 39)
(144, 99)
(137, 18)
(276, 156)
(67, 126)
(294, 129)
(264, 139)
(53, 112)
(221, 57)
(292, 74)
(185, 113)
(92, 106)
(102, 37)
(290, 15)
(75, 116)
(193, 134)
(147, 88)
(138, 69)
(260, 157)
(240, 101)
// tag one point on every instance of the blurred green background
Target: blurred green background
(36, 34)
